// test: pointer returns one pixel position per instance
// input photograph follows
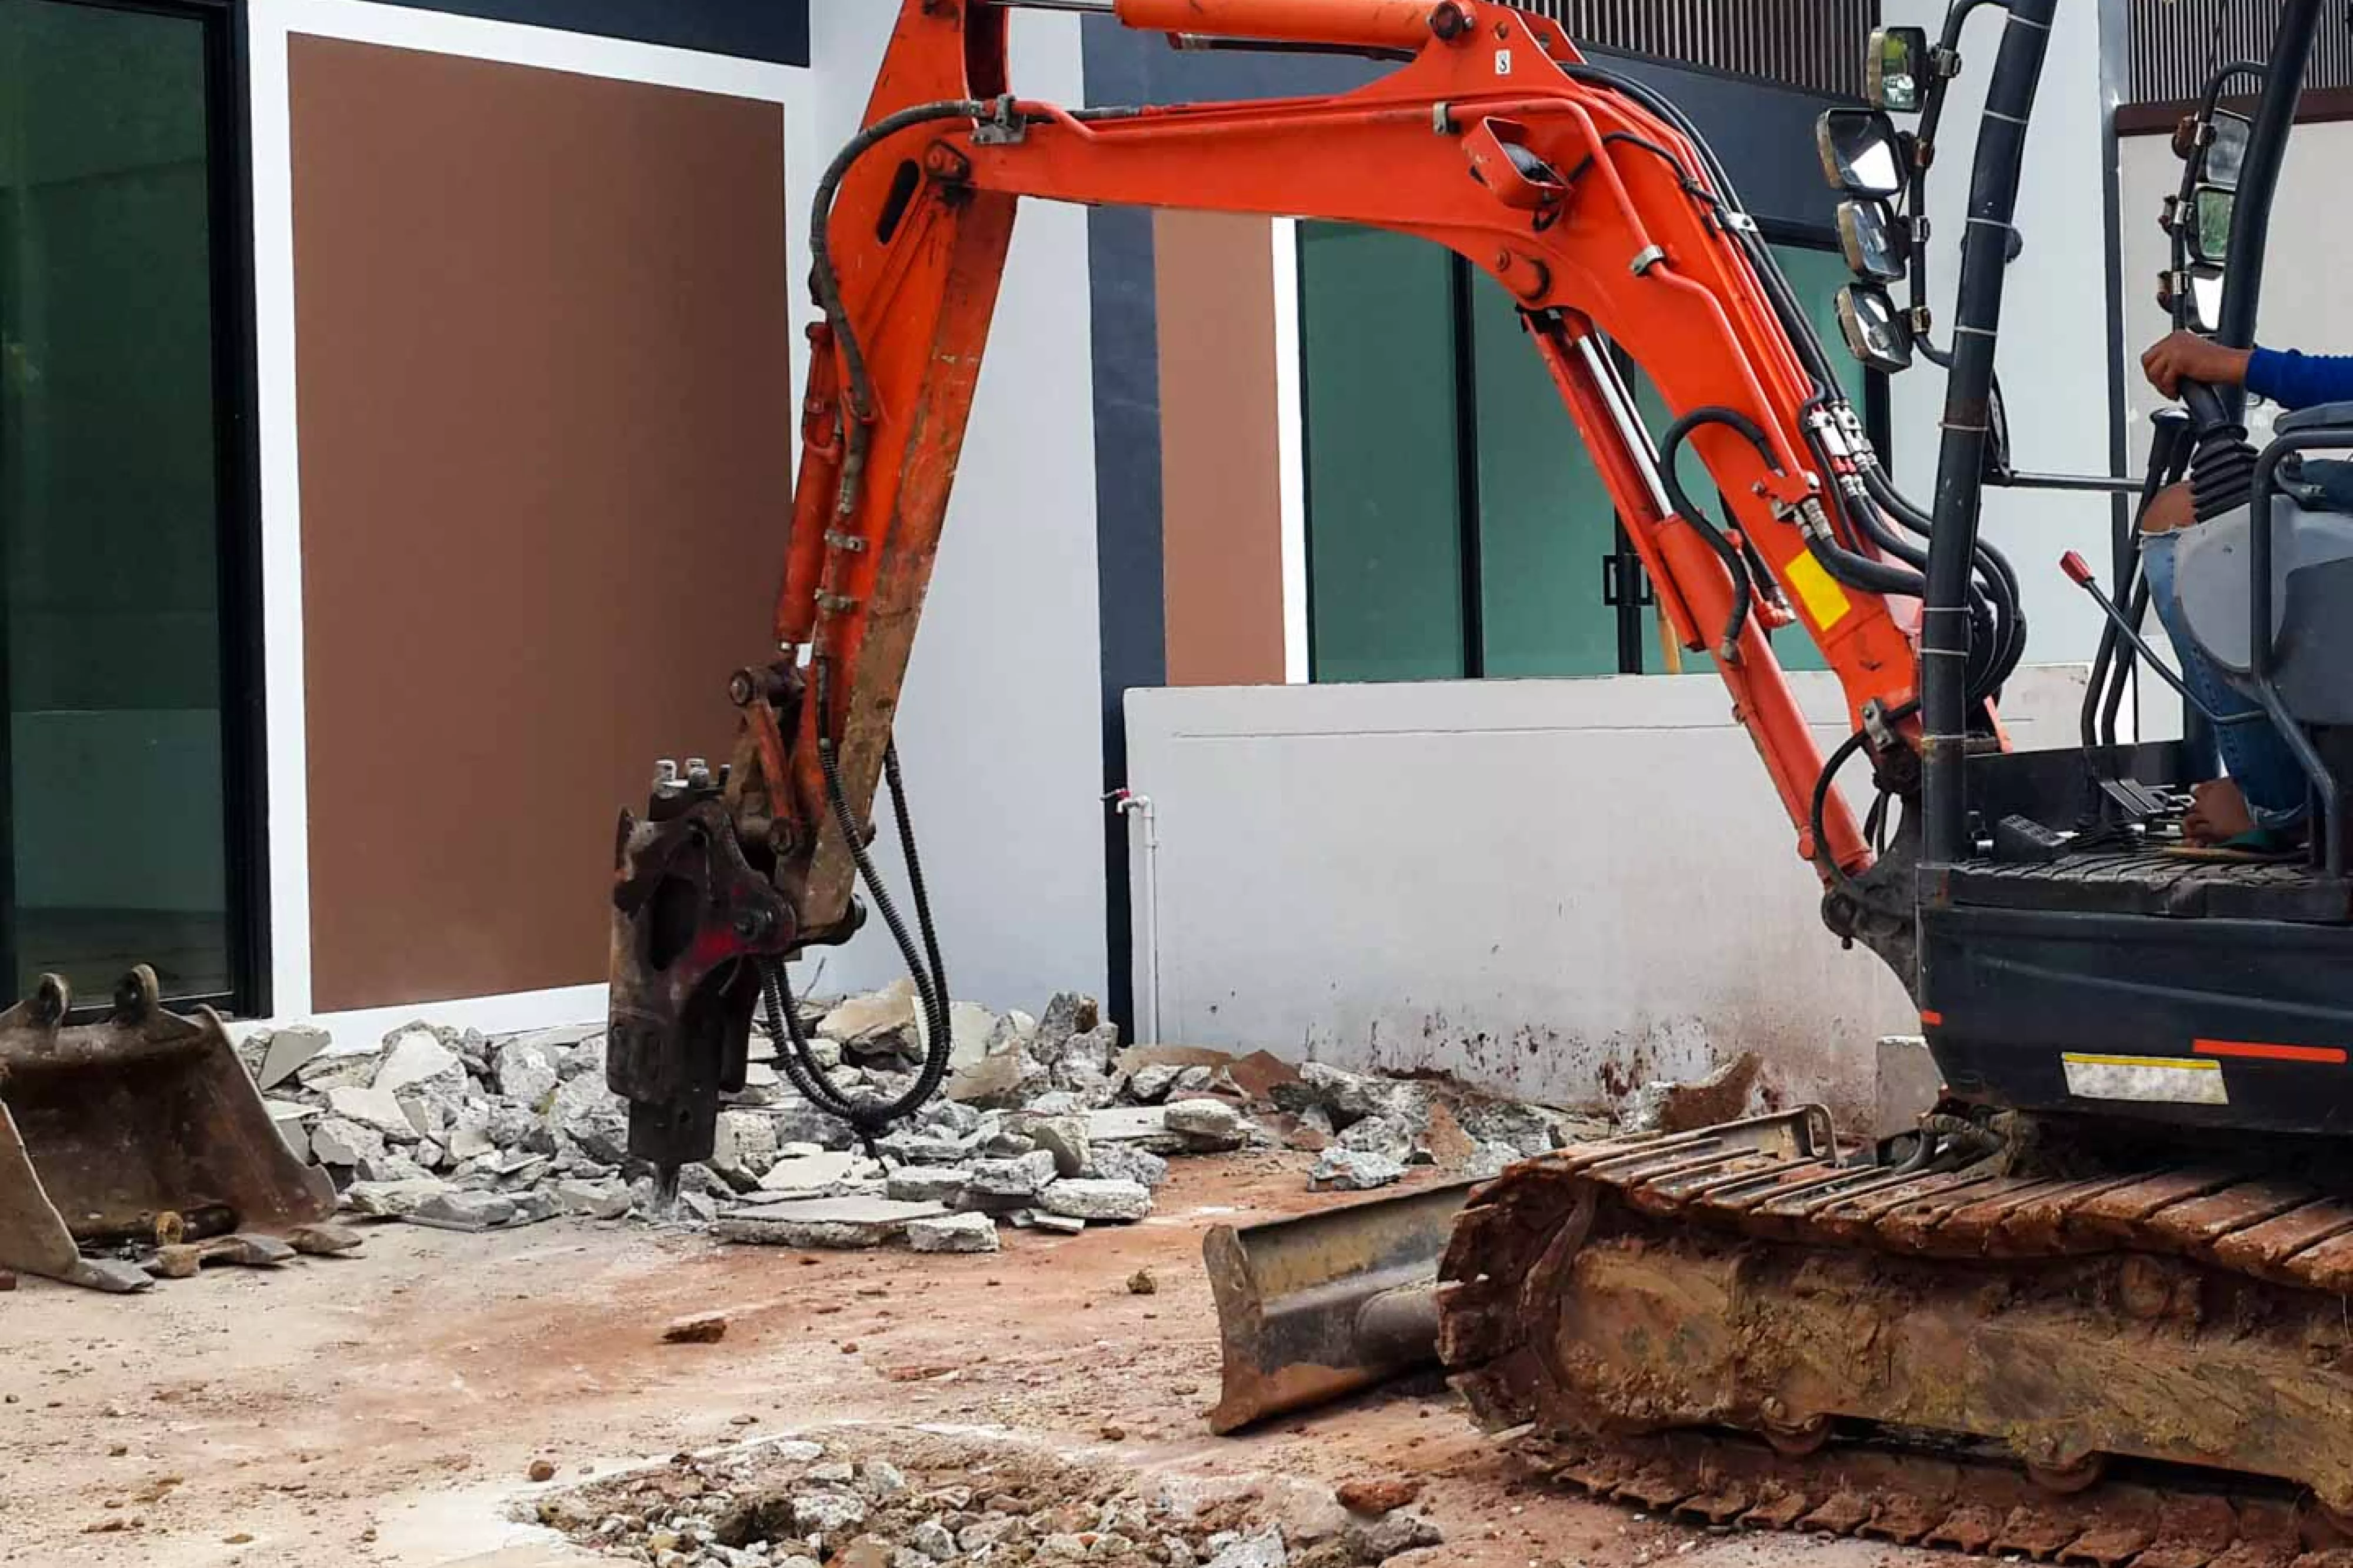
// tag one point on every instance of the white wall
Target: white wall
(1001, 728)
(2054, 358)
(1557, 889)
(2305, 302)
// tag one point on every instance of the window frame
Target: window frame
(236, 467)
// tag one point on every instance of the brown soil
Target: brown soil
(388, 1408)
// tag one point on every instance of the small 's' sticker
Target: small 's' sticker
(1502, 62)
(1825, 601)
(2164, 1081)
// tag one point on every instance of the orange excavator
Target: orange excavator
(2094, 1304)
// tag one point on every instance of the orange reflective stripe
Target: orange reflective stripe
(2270, 1053)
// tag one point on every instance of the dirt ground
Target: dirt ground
(385, 1409)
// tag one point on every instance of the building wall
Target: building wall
(1554, 889)
(2056, 363)
(2305, 302)
(541, 357)
(999, 728)
(526, 333)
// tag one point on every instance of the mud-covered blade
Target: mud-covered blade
(1314, 1308)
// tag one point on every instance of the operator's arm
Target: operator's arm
(2291, 379)
(2294, 380)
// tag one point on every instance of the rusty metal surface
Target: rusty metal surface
(1315, 1308)
(1953, 1503)
(1729, 1281)
(140, 1130)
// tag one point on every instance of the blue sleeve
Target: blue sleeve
(2295, 380)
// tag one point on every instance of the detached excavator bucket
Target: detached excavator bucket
(1311, 1309)
(138, 1144)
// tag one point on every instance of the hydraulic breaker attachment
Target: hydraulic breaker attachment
(1316, 1307)
(693, 922)
(141, 1134)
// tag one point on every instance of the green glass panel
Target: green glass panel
(1816, 276)
(1545, 520)
(1384, 502)
(110, 496)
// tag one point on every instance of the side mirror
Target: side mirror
(1876, 332)
(2194, 299)
(2206, 303)
(2209, 235)
(2226, 149)
(1896, 75)
(1878, 246)
(1862, 153)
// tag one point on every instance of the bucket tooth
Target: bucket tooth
(138, 1132)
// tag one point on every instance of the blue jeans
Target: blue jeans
(2258, 759)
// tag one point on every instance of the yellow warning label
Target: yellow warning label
(1825, 601)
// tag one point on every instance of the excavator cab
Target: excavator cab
(2074, 959)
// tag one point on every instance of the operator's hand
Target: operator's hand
(2186, 356)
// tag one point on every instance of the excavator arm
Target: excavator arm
(1587, 197)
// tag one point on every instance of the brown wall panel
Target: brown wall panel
(1221, 487)
(544, 392)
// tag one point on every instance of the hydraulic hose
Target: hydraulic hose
(1855, 892)
(1743, 587)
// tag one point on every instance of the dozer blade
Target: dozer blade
(138, 1132)
(1321, 1306)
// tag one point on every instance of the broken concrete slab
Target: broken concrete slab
(1119, 1203)
(1064, 1137)
(293, 1123)
(838, 1223)
(416, 1059)
(1128, 1124)
(744, 1148)
(811, 1175)
(1012, 1182)
(341, 1142)
(1909, 1086)
(340, 1065)
(288, 1050)
(1060, 1223)
(1002, 1078)
(927, 1183)
(392, 1200)
(881, 1022)
(1344, 1170)
(456, 1210)
(953, 1233)
(1126, 1163)
(373, 1107)
(525, 1071)
(593, 1200)
(1206, 1123)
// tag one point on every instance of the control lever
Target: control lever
(2079, 571)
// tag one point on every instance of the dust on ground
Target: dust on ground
(388, 1408)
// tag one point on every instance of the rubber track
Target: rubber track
(1763, 1179)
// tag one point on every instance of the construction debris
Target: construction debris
(793, 1503)
(702, 1329)
(1045, 1122)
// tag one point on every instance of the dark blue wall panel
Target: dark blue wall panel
(777, 30)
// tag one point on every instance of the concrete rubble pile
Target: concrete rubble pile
(1043, 1122)
(796, 1503)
